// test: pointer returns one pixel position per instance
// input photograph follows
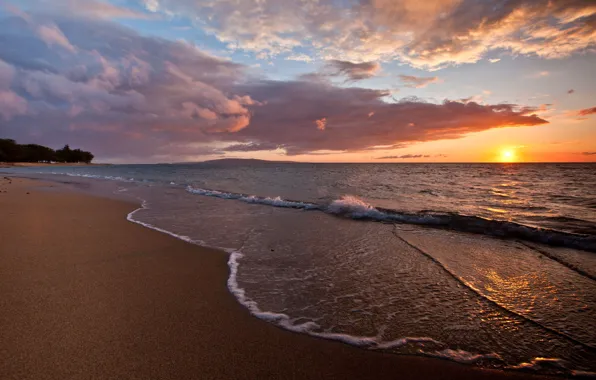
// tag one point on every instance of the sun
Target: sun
(508, 155)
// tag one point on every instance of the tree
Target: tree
(64, 154)
(36, 153)
(10, 151)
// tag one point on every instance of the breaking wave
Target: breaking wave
(276, 202)
(355, 208)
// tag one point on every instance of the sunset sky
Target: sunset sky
(302, 80)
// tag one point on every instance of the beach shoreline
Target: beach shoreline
(86, 293)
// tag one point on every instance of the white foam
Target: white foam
(540, 362)
(212, 193)
(355, 208)
(144, 206)
(94, 176)
(276, 202)
(407, 340)
(462, 356)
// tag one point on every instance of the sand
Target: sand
(85, 294)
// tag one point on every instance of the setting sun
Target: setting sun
(508, 155)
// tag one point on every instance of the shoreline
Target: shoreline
(87, 293)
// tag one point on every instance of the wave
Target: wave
(355, 208)
(276, 202)
(424, 346)
(95, 176)
(309, 327)
(370, 342)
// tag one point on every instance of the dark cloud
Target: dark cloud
(353, 71)
(417, 82)
(108, 83)
(11, 104)
(250, 147)
(571, 91)
(587, 111)
(124, 96)
(589, 153)
(290, 110)
(405, 156)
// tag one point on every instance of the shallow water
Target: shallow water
(346, 251)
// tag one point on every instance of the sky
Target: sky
(147, 81)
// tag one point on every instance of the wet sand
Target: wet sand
(86, 294)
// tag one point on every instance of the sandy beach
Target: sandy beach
(87, 294)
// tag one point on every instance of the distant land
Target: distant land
(235, 161)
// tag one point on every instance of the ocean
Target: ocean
(488, 264)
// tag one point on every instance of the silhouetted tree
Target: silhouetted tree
(64, 154)
(36, 153)
(10, 151)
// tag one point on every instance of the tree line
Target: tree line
(10, 151)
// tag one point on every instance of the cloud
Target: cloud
(301, 57)
(571, 91)
(353, 71)
(289, 108)
(118, 84)
(250, 147)
(541, 74)
(321, 124)
(587, 111)
(93, 8)
(494, 60)
(151, 5)
(430, 34)
(129, 97)
(405, 156)
(417, 82)
(589, 153)
(84, 8)
(52, 35)
(11, 104)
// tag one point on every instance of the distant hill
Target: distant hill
(233, 162)
(244, 161)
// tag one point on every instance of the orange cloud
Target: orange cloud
(587, 111)
(321, 124)
(425, 34)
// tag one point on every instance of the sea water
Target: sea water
(488, 264)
